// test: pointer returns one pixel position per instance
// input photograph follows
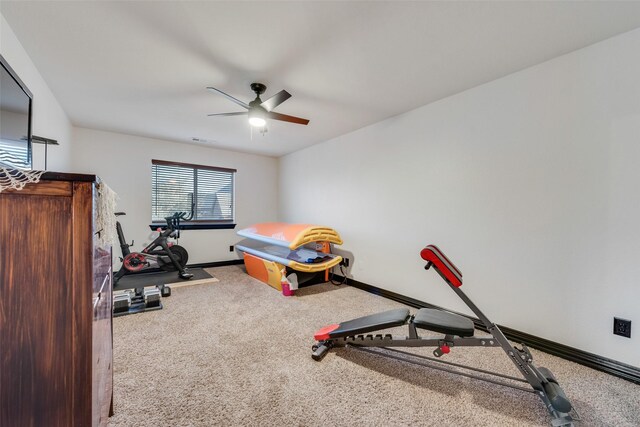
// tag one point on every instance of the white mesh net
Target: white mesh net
(16, 179)
(105, 218)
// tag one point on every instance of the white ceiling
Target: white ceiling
(141, 68)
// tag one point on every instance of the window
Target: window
(175, 186)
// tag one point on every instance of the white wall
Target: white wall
(528, 183)
(124, 163)
(49, 119)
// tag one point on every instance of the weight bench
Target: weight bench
(458, 332)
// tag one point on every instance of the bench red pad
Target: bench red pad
(446, 268)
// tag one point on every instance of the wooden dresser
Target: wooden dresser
(55, 306)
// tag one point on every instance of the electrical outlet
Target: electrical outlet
(345, 262)
(231, 248)
(622, 327)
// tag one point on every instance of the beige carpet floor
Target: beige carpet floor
(237, 353)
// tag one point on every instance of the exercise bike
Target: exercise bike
(159, 254)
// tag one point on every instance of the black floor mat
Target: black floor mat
(156, 279)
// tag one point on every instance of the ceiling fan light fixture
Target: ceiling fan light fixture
(257, 117)
(259, 111)
(257, 122)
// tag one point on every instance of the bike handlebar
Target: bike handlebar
(173, 221)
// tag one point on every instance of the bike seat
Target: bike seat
(120, 213)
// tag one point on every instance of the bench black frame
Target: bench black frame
(541, 380)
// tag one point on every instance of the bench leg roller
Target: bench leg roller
(319, 351)
(556, 396)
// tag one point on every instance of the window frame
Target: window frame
(199, 224)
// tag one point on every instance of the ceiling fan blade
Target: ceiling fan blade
(239, 113)
(229, 97)
(286, 118)
(275, 100)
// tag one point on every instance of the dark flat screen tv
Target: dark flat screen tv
(15, 120)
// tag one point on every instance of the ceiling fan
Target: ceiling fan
(258, 110)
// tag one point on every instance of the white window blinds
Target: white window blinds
(175, 186)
